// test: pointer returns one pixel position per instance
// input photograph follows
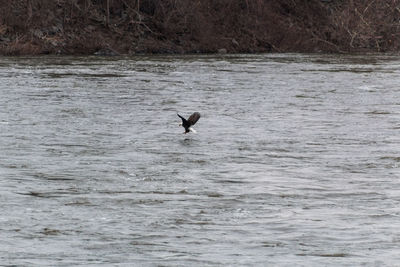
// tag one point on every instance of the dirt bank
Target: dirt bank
(202, 26)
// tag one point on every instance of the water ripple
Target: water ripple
(295, 160)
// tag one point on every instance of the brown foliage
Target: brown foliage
(369, 25)
(182, 26)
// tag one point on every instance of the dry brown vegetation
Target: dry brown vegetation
(197, 26)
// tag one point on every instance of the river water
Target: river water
(295, 161)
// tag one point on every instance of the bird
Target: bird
(187, 124)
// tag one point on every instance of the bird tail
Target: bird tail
(192, 130)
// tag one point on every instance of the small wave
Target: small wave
(378, 112)
(393, 158)
(326, 255)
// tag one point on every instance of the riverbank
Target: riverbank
(177, 26)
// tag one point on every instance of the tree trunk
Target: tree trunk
(107, 13)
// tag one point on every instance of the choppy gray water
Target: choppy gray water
(295, 161)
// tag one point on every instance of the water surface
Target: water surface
(295, 161)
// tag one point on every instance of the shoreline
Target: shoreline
(205, 27)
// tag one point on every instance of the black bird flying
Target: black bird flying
(187, 124)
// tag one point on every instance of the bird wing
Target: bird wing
(183, 119)
(194, 118)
